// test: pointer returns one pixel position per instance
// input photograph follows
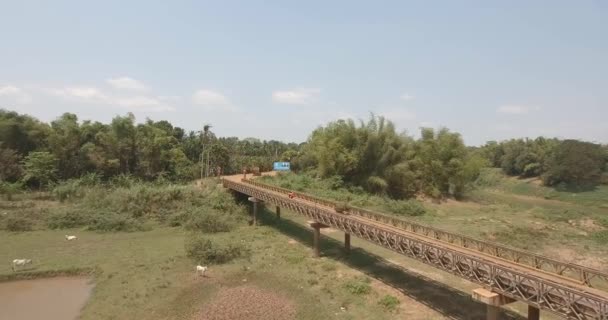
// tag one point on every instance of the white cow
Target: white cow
(70, 238)
(201, 270)
(21, 263)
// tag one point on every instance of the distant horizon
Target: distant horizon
(277, 70)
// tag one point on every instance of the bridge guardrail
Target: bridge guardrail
(587, 276)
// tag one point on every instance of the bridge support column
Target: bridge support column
(278, 212)
(256, 204)
(316, 240)
(492, 300)
(533, 313)
(347, 242)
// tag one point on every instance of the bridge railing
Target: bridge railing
(534, 289)
(587, 276)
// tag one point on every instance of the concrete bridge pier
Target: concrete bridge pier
(256, 204)
(533, 313)
(316, 226)
(347, 242)
(278, 211)
(492, 300)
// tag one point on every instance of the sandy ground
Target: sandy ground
(248, 303)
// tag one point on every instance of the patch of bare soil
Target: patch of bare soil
(572, 256)
(248, 303)
(451, 203)
(589, 224)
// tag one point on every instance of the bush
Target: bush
(359, 286)
(90, 180)
(107, 222)
(68, 190)
(600, 237)
(123, 181)
(67, 220)
(209, 222)
(575, 163)
(8, 190)
(405, 207)
(389, 302)
(17, 224)
(203, 250)
(342, 207)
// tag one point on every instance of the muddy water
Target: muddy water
(49, 299)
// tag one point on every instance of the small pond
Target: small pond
(59, 298)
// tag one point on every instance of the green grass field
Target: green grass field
(146, 273)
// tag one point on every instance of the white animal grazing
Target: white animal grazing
(70, 238)
(201, 270)
(21, 263)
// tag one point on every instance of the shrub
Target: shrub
(600, 237)
(335, 182)
(405, 207)
(203, 250)
(575, 163)
(123, 181)
(67, 220)
(17, 224)
(107, 222)
(342, 207)
(389, 302)
(489, 177)
(68, 190)
(359, 286)
(209, 222)
(8, 190)
(376, 184)
(90, 179)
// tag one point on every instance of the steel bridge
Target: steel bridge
(506, 274)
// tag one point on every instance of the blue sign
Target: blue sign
(280, 166)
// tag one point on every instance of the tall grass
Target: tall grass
(127, 204)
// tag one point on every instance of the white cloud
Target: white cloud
(144, 104)
(299, 96)
(15, 94)
(79, 92)
(126, 83)
(94, 95)
(516, 109)
(407, 97)
(213, 101)
(427, 124)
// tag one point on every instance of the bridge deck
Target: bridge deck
(540, 288)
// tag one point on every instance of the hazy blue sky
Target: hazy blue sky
(278, 69)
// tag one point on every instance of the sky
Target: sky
(490, 70)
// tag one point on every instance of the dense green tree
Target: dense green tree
(40, 167)
(65, 142)
(373, 155)
(10, 168)
(22, 133)
(520, 157)
(575, 163)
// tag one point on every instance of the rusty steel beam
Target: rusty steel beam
(534, 290)
(582, 274)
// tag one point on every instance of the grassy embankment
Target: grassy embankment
(571, 226)
(132, 239)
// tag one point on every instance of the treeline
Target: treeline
(374, 156)
(568, 163)
(38, 153)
